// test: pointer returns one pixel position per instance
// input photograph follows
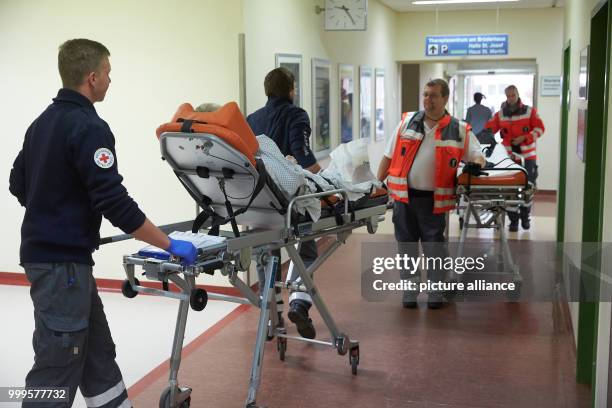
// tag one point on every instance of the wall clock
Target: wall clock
(346, 15)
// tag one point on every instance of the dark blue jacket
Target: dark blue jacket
(289, 127)
(66, 177)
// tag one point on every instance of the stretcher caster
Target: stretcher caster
(126, 288)
(183, 396)
(254, 405)
(372, 227)
(281, 346)
(514, 295)
(342, 344)
(198, 299)
(354, 359)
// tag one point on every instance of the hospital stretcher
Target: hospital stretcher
(231, 185)
(482, 202)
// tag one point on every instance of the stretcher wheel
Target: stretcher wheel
(198, 299)
(281, 346)
(342, 344)
(354, 359)
(515, 295)
(164, 400)
(127, 290)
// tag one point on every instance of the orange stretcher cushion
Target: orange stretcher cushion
(226, 123)
(516, 179)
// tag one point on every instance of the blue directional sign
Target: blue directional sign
(466, 45)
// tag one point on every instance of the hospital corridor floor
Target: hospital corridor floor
(493, 355)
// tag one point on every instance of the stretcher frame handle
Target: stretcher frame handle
(315, 195)
(521, 169)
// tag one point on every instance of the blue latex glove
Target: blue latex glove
(183, 249)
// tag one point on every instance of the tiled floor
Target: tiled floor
(498, 355)
(492, 355)
(142, 328)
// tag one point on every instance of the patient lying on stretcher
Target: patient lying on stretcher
(293, 180)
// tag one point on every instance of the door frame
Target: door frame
(594, 178)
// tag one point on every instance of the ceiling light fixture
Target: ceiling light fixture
(442, 2)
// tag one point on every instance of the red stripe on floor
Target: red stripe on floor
(163, 368)
(114, 285)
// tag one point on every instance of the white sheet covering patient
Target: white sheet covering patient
(293, 180)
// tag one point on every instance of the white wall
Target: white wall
(160, 58)
(161, 55)
(534, 34)
(303, 33)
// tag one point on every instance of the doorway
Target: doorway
(592, 217)
(492, 86)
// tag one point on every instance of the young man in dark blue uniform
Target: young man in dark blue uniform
(66, 177)
(289, 127)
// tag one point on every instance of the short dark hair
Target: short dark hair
(444, 89)
(77, 58)
(478, 97)
(279, 82)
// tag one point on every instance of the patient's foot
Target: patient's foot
(298, 314)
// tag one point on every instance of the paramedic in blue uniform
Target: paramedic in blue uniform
(289, 126)
(66, 177)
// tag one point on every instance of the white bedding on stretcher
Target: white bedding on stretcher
(293, 180)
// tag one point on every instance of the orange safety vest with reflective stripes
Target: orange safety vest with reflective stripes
(451, 141)
(525, 121)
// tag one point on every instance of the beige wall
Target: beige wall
(303, 33)
(161, 56)
(534, 34)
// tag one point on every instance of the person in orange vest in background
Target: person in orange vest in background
(420, 164)
(519, 126)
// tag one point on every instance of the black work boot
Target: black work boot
(514, 220)
(409, 299)
(298, 314)
(525, 222)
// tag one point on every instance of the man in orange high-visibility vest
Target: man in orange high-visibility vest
(420, 165)
(520, 127)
